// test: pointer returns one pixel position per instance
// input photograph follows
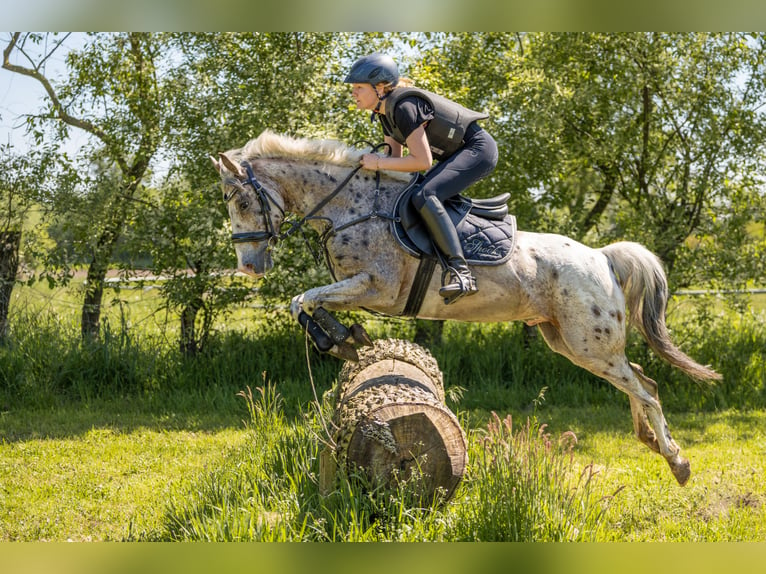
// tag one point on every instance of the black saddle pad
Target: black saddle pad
(485, 241)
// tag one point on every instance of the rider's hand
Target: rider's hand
(371, 161)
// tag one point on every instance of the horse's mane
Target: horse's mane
(273, 145)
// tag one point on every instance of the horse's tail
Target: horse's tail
(642, 278)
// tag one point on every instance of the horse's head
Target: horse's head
(256, 214)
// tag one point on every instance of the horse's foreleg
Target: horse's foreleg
(323, 342)
(327, 334)
(354, 335)
(310, 308)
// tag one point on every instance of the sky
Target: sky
(21, 95)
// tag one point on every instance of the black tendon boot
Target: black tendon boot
(461, 281)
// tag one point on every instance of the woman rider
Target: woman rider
(431, 127)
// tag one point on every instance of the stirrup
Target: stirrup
(460, 285)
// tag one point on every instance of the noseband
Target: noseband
(266, 202)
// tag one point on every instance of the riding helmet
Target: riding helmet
(373, 69)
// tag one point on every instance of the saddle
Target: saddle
(485, 228)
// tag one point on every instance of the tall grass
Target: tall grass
(46, 363)
(522, 486)
(491, 365)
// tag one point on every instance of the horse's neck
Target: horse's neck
(311, 184)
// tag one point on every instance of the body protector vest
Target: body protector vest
(445, 132)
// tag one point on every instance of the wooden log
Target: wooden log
(391, 421)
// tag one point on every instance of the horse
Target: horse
(583, 300)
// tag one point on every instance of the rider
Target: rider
(431, 127)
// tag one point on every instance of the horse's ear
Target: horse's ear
(216, 163)
(230, 165)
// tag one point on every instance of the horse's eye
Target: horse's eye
(243, 205)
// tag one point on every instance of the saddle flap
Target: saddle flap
(485, 229)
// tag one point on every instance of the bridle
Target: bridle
(266, 200)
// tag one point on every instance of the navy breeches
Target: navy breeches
(471, 163)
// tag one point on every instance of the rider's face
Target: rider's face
(365, 96)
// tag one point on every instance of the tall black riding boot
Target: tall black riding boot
(442, 230)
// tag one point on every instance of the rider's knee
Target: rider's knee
(420, 197)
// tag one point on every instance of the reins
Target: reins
(266, 202)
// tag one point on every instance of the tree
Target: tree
(655, 137)
(16, 199)
(113, 93)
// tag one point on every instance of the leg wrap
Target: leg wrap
(321, 340)
(330, 325)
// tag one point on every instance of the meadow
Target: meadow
(127, 439)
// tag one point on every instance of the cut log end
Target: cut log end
(393, 424)
(400, 442)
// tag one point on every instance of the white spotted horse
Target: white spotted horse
(582, 299)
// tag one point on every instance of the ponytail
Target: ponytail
(402, 83)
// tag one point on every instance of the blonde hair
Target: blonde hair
(402, 83)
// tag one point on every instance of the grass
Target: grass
(725, 499)
(91, 472)
(520, 488)
(116, 472)
(127, 440)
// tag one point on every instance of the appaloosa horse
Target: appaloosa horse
(581, 299)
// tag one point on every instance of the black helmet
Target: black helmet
(373, 69)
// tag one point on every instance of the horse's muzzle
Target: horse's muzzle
(254, 264)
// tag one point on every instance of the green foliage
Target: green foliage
(69, 369)
(658, 140)
(734, 344)
(521, 488)
(494, 364)
(511, 364)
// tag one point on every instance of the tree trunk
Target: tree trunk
(188, 342)
(90, 323)
(428, 333)
(9, 267)
(530, 334)
(391, 422)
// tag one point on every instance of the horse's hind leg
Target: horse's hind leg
(607, 360)
(672, 452)
(643, 430)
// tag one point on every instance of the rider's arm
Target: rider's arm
(397, 149)
(419, 157)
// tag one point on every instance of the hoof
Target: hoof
(360, 336)
(681, 470)
(345, 352)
